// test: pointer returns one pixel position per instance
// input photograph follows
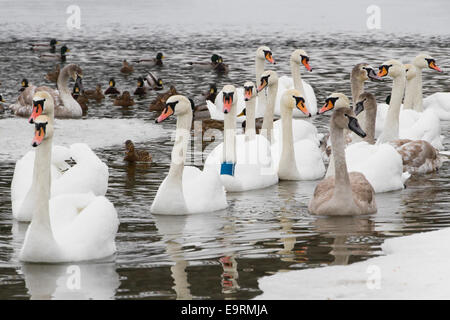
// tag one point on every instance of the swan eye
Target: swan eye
(172, 105)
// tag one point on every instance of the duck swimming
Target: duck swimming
(24, 84)
(96, 94)
(141, 90)
(158, 61)
(124, 100)
(159, 103)
(126, 67)
(53, 56)
(133, 155)
(215, 64)
(154, 83)
(112, 90)
(78, 94)
(44, 46)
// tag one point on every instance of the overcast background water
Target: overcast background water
(222, 254)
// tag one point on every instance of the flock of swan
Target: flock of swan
(374, 148)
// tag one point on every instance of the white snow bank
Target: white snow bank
(17, 133)
(415, 267)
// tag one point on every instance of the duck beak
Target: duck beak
(432, 65)
(39, 135)
(328, 106)
(306, 64)
(167, 112)
(37, 110)
(270, 58)
(111, 84)
(383, 71)
(300, 104)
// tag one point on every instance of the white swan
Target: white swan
(344, 193)
(301, 160)
(263, 54)
(89, 174)
(381, 164)
(250, 93)
(298, 57)
(243, 164)
(419, 156)
(65, 105)
(186, 189)
(412, 124)
(70, 227)
(301, 129)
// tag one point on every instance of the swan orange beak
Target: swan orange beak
(383, 71)
(300, 104)
(269, 57)
(39, 135)
(167, 112)
(306, 64)
(263, 84)
(328, 106)
(247, 94)
(227, 102)
(38, 107)
(432, 65)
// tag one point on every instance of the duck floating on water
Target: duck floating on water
(158, 61)
(45, 46)
(112, 90)
(54, 56)
(126, 68)
(135, 155)
(125, 100)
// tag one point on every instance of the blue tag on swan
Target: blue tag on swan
(227, 168)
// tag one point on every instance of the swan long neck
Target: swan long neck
(179, 150)
(287, 166)
(229, 139)
(42, 183)
(391, 124)
(267, 126)
(357, 89)
(65, 94)
(259, 68)
(250, 129)
(296, 76)
(369, 124)
(342, 188)
(410, 93)
(418, 101)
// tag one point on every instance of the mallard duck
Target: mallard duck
(154, 82)
(211, 94)
(124, 100)
(45, 46)
(96, 94)
(23, 84)
(112, 87)
(52, 76)
(152, 61)
(215, 64)
(126, 67)
(54, 56)
(78, 94)
(141, 89)
(160, 101)
(133, 155)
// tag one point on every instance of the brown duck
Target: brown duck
(126, 67)
(124, 100)
(133, 155)
(96, 94)
(160, 101)
(52, 76)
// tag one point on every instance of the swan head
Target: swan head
(249, 90)
(74, 71)
(335, 100)
(267, 79)
(392, 68)
(366, 101)
(424, 60)
(364, 71)
(264, 53)
(293, 99)
(300, 56)
(176, 105)
(42, 105)
(345, 118)
(229, 97)
(42, 130)
(410, 70)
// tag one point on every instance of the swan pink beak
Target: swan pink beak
(227, 104)
(38, 137)
(37, 111)
(167, 112)
(433, 65)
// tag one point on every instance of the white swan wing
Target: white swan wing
(439, 102)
